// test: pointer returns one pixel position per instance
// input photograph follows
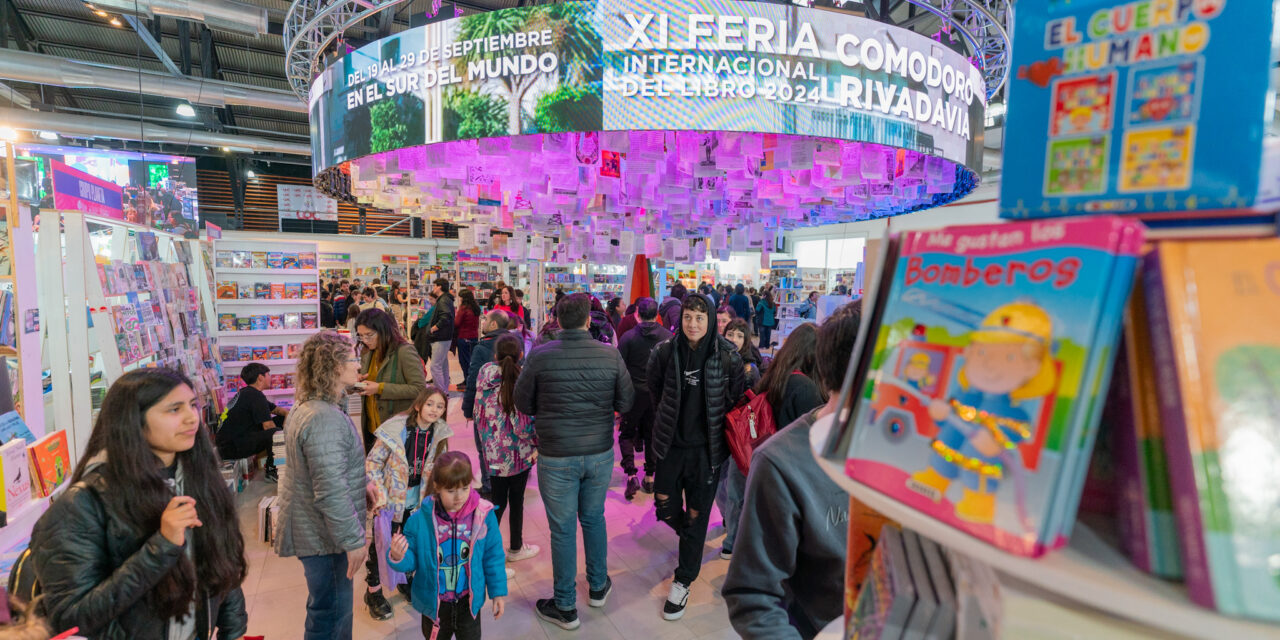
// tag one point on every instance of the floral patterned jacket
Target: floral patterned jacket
(508, 438)
(387, 465)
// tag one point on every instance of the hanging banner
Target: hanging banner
(75, 190)
(300, 202)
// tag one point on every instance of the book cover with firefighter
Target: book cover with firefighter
(994, 342)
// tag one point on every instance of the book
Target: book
(262, 290)
(278, 381)
(307, 260)
(227, 290)
(244, 353)
(888, 595)
(926, 607)
(275, 260)
(310, 320)
(261, 353)
(988, 349)
(16, 471)
(247, 292)
(944, 621)
(292, 321)
(148, 246)
(275, 352)
(259, 259)
(278, 291)
(292, 290)
(865, 524)
(979, 602)
(50, 462)
(12, 427)
(275, 321)
(1212, 306)
(294, 350)
(242, 259)
(228, 354)
(226, 259)
(241, 323)
(289, 260)
(310, 291)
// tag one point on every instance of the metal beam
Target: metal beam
(98, 23)
(27, 40)
(184, 47)
(149, 40)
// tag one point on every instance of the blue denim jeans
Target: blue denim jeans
(729, 499)
(573, 491)
(329, 597)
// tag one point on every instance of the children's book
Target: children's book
(278, 291)
(292, 321)
(275, 352)
(292, 290)
(981, 397)
(307, 260)
(262, 290)
(294, 349)
(244, 354)
(226, 259)
(242, 259)
(247, 291)
(310, 320)
(275, 260)
(50, 462)
(227, 290)
(275, 321)
(259, 259)
(1213, 306)
(886, 599)
(228, 354)
(290, 260)
(16, 471)
(258, 323)
(261, 353)
(865, 524)
(227, 322)
(278, 381)
(13, 428)
(310, 291)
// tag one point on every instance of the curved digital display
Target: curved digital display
(682, 65)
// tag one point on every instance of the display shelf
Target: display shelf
(266, 272)
(20, 523)
(1087, 572)
(268, 302)
(278, 392)
(242, 363)
(267, 332)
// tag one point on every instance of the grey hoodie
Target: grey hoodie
(786, 579)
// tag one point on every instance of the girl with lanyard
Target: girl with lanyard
(399, 466)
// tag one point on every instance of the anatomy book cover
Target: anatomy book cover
(982, 361)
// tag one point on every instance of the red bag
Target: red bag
(747, 426)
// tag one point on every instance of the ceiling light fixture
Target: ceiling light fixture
(115, 22)
(250, 174)
(100, 13)
(186, 110)
(48, 135)
(8, 133)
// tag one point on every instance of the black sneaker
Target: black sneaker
(639, 447)
(599, 597)
(647, 485)
(379, 608)
(547, 610)
(271, 474)
(673, 608)
(406, 590)
(633, 485)
(726, 553)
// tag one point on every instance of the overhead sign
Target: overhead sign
(1140, 107)
(75, 190)
(613, 65)
(300, 202)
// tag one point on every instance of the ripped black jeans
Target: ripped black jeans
(684, 488)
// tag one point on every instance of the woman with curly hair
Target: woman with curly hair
(144, 544)
(323, 492)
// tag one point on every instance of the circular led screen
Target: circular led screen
(676, 113)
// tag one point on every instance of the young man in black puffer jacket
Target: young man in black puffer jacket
(636, 430)
(572, 386)
(694, 378)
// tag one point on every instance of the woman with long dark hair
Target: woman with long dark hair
(466, 323)
(613, 311)
(145, 543)
(505, 299)
(324, 491)
(789, 379)
(391, 372)
(510, 444)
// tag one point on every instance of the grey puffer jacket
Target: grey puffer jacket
(572, 386)
(322, 489)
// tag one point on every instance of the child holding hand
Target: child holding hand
(454, 545)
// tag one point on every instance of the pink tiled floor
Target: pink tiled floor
(641, 559)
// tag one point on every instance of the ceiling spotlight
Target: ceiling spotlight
(115, 22)
(48, 135)
(100, 13)
(250, 174)
(227, 149)
(186, 110)
(8, 133)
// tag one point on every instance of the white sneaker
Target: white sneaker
(673, 608)
(527, 551)
(510, 573)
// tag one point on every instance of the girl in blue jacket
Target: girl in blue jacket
(454, 545)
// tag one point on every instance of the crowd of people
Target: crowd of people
(165, 558)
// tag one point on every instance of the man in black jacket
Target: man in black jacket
(694, 378)
(495, 323)
(637, 425)
(440, 330)
(572, 386)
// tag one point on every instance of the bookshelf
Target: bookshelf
(265, 311)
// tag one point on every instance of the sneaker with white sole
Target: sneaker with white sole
(598, 597)
(527, 551)
(726, 553)
(673, 608)
(548, 611)
(511, 573)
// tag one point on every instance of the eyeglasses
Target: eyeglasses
(366, 336)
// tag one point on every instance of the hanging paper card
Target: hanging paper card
(874, 162)
(466, 238)
(680, 250)
(483, 238)
(738, 240)
(700, 252)
(652, 244)
(755, 237)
